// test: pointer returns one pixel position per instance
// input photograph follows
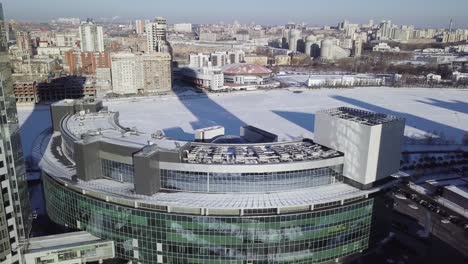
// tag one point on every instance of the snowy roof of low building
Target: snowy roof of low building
(245, 69)
(65, 240)
(361, 116)
(460, 190)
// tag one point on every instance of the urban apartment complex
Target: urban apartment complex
(141, 73)
(221, 198)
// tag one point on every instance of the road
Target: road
(451, 234)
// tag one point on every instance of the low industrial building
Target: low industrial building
(384, 47)
(281, 60)
(335, 80)
(460, 77)
(434, 78)
(457, 195)
(256, 59)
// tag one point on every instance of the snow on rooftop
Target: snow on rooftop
(61, 240)
(360, 116)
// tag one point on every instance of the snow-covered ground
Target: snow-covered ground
(291, 114)
(282, 112)
(33, 120)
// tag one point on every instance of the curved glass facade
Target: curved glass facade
(160, 237)
(249, 182)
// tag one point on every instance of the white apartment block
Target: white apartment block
(218, 59)
(207, 77)
(199, 60)
(141, 73)
(124, 73)
(66, 40)
(156, 35)
(235, 56)
(183, 27)
(92, 37)
(140, 26)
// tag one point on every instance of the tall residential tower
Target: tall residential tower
(92, 38)
(15, 222)
(157, 36)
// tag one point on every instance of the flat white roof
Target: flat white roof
(61, 240)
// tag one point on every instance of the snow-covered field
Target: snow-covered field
(282, 112)
(291, 114)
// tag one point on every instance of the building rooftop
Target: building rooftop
(451, 182)
(245, 69)
(105, 127)
(460, 190)
(61, 241)
(361, 116)
(269, 153)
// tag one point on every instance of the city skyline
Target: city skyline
(312, 12)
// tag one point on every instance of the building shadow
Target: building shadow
(414, 121)
(304, 120)
(208, 112)
(456, 105)
(35, 127)
(178, 133)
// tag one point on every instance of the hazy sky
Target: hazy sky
(430, 13)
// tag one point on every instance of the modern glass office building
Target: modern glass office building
(169, 201)
(14, 202)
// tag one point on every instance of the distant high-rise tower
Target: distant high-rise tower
(92, 37)
(385, 30)
(24, 42)
(290, 26)
(451, 25)
(140, 26)
(357, 47)
(15, 220)
(157, 36)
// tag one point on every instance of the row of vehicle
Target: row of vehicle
(432, 206)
